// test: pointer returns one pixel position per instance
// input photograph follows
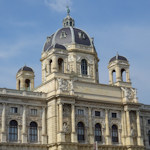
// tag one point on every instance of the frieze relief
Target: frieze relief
(130, 94)
(70, 58)
(65, 85)
(66, 127)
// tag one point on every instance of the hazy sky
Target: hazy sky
(121, 26)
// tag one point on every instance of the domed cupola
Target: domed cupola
(25, 79)
(119, 71)
(69, 51)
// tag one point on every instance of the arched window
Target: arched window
(114, 76)
(123, 75)
(114, 134)
(98, 133)
(80, 131)
(84, 67)
(50, 66)
(33, 132)
(60, 65)
(149, 137)
(70, 23)
(27, 84)
(13, 130)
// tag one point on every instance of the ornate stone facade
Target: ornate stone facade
(71, 110)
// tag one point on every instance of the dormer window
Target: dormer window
(81, 35)
(63, 34)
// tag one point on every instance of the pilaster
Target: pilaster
(139, 138)
(107, 138)
(91, 137)
(3, 129)
(24, 133)
(44, 136)
(61, 135)
(123, 127)
(129, 140)
(73, 133)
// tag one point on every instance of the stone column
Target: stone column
(119, 132)
(44, 136)
(38, 133)
(123, 127)
(139, 138)
(110, 77)
(127, 76)
(129, 139)
(107, 138)
(32, 84)
(17, 84)
(22, 84)
(73, 133)
(54, 64)
(3, 129)
(118, 74)
(91, 137)
(103, 138)
(24, 132)
(19, 134)
(61, 117)
(61, 135)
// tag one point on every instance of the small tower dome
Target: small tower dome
(25, 78)
(118, 57)
(119, 71)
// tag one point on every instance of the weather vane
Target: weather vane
(68, 11)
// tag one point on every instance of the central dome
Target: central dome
(67, 35)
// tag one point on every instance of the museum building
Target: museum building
(71, 110)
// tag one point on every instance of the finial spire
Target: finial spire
(117, 55)
(68, 11)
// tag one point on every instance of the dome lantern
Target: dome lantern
(68, 21)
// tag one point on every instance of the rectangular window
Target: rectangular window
(14, 110)
(148, 121)
(97, 113)
(33, 112)
(80, 112)
(114, 115)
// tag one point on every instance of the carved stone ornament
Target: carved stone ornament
(70, 58)
(65, 85)
(62, 84)
(66, 127)
(129, 93)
